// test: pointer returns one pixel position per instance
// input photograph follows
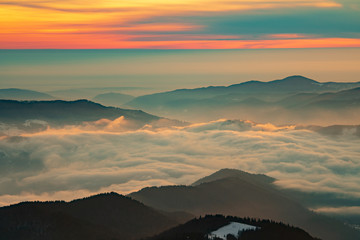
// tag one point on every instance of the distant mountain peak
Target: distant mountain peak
(297, 78)
(234, 173)
(107, 195)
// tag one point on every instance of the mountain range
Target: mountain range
(104, 216)
(236, 193)
(292, 100)
(263, 90)
(157, 210)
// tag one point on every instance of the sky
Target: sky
(147, 71)
(185, 24)
(319, 39)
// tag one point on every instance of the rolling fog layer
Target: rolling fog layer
(77, 161)
(264, 114)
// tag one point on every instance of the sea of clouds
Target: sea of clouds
(77, 161)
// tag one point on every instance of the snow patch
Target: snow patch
(234, 228)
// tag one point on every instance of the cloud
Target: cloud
(58, 24)
(51, 8)
(173, 6)
(113, 156)
(234, 125)
(339, 210)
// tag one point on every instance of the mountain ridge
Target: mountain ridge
(102, 216)
(23, 94)
(64, 112)
(300, 80)
(243, 197)
(292, 100)
(202, 228)
(112, 99)
(114, 216)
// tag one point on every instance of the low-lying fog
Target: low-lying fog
(77, 161)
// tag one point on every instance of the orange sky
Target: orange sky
(79, 24)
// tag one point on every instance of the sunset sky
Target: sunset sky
(185, 24)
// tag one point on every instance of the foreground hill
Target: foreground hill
(104, 216)
(115, 217)
(227, 192)
(65, 112)
(232, 192)
(201, 229)
(23, 94)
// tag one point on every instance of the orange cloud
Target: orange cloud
(53, 24)
(287, 35)
(112, 41)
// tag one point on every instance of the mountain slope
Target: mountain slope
(293, 100)
(238, 194)
(267, 90)
(23, 94)
(226, 173)
(342, 99)
(65, 112)
(104, 216)
(199, 229)
(289, 84)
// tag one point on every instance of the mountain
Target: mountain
(112, 99)
(23, 94)
(90, 93)
(106, 216)
(158, 210)
(75, 93)
(227, 173)
(342, 99)
(266, 90)
(232, 192)
(336, 100)
(66, 112)
(292, 100)
(288, 84)
(202, 228)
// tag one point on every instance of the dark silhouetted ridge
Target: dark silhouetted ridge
(65, 112)
(199, 229)
(236, 193)
(104, 216)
